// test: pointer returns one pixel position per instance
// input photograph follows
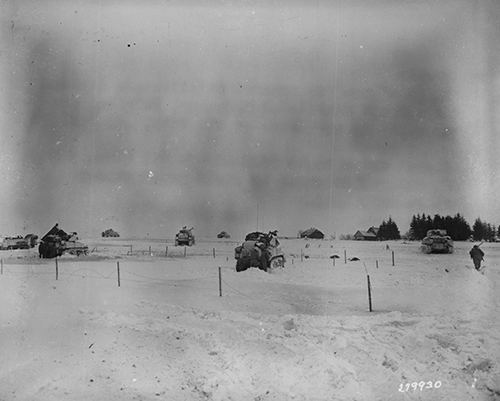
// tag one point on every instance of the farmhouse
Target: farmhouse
(312, 233)
(368, 235)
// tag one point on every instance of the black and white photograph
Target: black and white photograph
(225, 200)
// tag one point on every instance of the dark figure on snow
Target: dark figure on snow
(477, 256)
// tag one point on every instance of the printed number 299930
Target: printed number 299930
(403, 388)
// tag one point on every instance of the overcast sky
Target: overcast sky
(146, 116)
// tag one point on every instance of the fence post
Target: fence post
(118, 270)
(166, 250)
(1, 263)
(345, 256)
(393, 258)
(184, 251)
(301, 255)
(213, 252)
(369, 292)
(376, 263)
(150, 251)
(220, 282)
(57, 270)
(130, 249)
(333, 260)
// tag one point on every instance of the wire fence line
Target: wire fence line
(65, 269)
(67, 272)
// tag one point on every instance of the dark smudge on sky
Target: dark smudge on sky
(211, 112)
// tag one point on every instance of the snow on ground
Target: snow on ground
(301, 333)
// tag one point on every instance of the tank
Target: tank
(75, 247)
(185, 237)
(56, 242)
(15, 243)
(259, 250)
(437, 241)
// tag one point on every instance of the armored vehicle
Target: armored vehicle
(437, 241)
(259, 250)
(110, 233)
(75, 247)
(56, 242)
(15, 243)
(184, 237)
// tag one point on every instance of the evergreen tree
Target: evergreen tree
(456, 227)
(412, 233)
(388, 230)
(462, 230)
(490, 233)
(478, 230)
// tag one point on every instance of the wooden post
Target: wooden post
(150, 250)
(184, 251)
(130, 249)
(393, 258)
(333, 259)
(166, 250)
(57, 270)
(376, 263)
(1, 263)
(345, 256)
(213, 252)
(369, 292)
(220, 282)
(118, 270)
(301, 255)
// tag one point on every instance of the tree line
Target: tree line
(456, 227)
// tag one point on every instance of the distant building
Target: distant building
(312, 233)
(365, 235)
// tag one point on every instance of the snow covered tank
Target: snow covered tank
(15, 243)
(259, 250)
(437, 241)
(75, 247)
(184, 237)
(56, 242)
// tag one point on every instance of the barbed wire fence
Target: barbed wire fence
(110, 255)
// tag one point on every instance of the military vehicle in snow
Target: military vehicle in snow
(185, 237)
(259, 250)
(56, 242)
(437, 241)
(15, 243)
(75, 247)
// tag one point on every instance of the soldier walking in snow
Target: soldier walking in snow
(477, 256)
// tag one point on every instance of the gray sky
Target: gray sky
(146, 116)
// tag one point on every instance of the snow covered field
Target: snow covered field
(301, 333)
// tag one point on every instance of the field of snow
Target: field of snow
(301, 333)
